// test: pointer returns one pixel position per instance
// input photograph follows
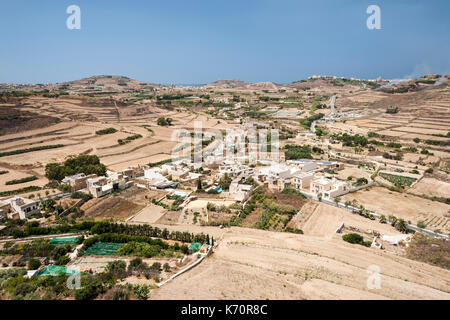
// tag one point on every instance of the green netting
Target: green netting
(195, 246)
(52, 270)
(63, 241)
(103, 249)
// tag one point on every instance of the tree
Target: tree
(225, 182)
(117, 268)
(166, 267)
(161, 121)
(34, 264)
(156, 267)
(199, 185)
(401, 225)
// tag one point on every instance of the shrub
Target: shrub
(392, 110)
(353, 238)
(106, 131)
(119, 293)
(421, 224)
(89, 292)
(166, 267)
(141, 291)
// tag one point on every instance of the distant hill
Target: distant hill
(225, 84)
(329, 82)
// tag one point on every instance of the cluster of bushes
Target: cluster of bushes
(88, 164)
(106, 131)
(392, 110)
(3, 172)
(360, 182)
(106, 282)
(398, 156)
(20, 151)
(39, 248)
(164, 121)
(437, 143)
(351, 141)
(19, 181)
(129, 139)
(294, 152)
(376, 142)
(394, 145)
(356, 239)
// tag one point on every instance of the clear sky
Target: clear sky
(199, 41)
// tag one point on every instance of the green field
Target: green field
(398, 180)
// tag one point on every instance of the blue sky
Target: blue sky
(201, 41)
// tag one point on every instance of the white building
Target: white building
(23, 207)
(302, 180)
(328, 188)
(240, 192)
(99, 187)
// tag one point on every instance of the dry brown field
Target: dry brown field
(255, 264)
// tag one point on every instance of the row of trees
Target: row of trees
(148, 231)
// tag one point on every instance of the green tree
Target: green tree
(34, 264)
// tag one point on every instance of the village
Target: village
(227, 176)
